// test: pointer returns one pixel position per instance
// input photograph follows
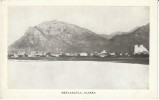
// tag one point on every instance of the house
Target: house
(21, 54)
(67, 54)
(120, 54)
(126, 54)
(75, 54)
(32, 54)
(103, 52)
(83, 54)
(112, 54)
(91, 54)
(48, 54)
(55, 55)
(102, 55)
(13, 55)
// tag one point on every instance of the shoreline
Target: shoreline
(97, 59)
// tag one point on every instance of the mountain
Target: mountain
(117, 33)
(125, 42)
(56, 36)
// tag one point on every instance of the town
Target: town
(139, 51)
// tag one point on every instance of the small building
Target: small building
(103, 52)
(55, 55)
(13, 55)
(126, 54)
(32, 54)
(39, 54)
(83, 54)
(74, 54)
(120, 54)
(102, 55)
(48, 54)
(20, 53)
(67, 54)
(91, 54)
(112, 54)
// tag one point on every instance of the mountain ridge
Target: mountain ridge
(57, 36)
(54, 36)
(125, 42)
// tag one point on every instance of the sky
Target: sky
(99, 19)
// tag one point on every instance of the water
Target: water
(76, 75)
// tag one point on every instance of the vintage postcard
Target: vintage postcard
(98, 50)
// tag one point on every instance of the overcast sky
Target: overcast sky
(101, 20)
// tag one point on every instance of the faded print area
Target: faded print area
(78, 47)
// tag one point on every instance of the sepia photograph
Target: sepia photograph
(78, 47)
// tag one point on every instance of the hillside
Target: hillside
(125, 42)
(117, 33)
(56, 36)
(61, 37)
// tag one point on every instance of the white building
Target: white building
(121, 54)
(21, 53)
(55, 55)
(103, 52)
(83, 54)
(91, 54)
(140, 50)
(15, 55)
(32, 54)
(68, 54)
(102, 55)
(112, 54)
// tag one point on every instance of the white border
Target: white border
(150, 93)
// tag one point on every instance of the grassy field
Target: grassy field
(121, 60)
